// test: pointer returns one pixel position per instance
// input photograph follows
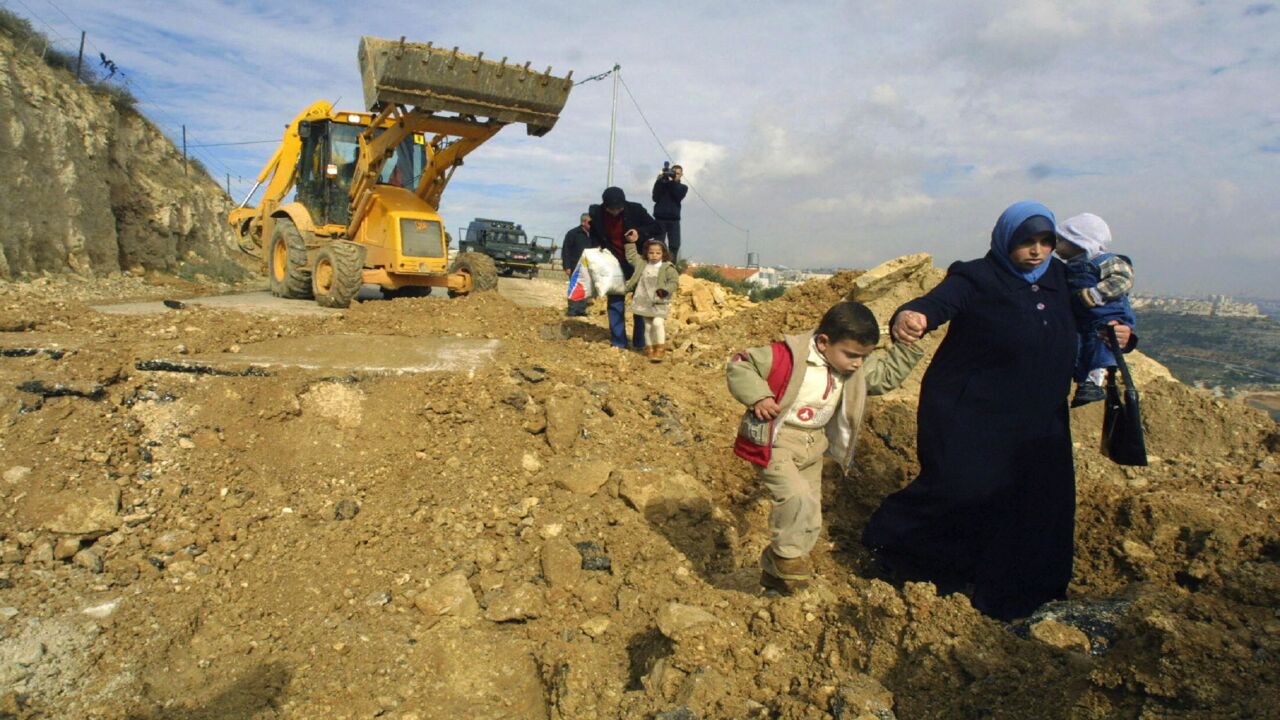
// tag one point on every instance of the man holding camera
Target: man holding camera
(668, 193)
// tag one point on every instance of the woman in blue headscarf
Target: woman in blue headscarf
(994, 505)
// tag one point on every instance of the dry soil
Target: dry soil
(558, 531)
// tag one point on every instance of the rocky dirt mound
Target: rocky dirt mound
(562, 534)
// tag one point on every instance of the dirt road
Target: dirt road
(525, 293)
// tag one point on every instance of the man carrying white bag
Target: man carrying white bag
(615, 222)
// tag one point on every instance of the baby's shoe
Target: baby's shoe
(1087, 392)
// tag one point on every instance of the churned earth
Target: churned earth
(548, 528)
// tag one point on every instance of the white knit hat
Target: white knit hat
(1088, 232)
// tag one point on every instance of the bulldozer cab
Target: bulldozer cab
(327, 163)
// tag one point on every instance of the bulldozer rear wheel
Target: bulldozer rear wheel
(337, 276)
(287, 271)
(484, 274)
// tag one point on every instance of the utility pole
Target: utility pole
(228, 184)
(80, 57)
(184, 150)
(613, 122)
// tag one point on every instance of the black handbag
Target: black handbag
(1122, 438)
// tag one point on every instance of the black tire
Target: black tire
(337, 276)
(409, 291)
(287, 271)
(484, 274)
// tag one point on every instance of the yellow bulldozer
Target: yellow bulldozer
(367, 185)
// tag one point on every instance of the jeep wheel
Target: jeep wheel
(287, 272)
(337, 277)
(484, 274)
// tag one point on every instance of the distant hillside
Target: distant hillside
(90, 186)
(1230, 353)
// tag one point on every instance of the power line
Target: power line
(715, 212)
(246, 142)
(68, 17)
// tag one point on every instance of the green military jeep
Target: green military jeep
(508, 245)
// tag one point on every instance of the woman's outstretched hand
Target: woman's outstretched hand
(1123, 332)
(909, 326)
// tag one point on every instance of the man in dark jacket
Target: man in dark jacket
(575, 241)
(668, 193)
(615, 222)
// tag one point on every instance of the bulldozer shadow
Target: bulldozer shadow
(248, 696)
(705, 539)
(572, 328)
(885, 464)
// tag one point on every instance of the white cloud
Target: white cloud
(697, 156)
(884, 95)
(881, 209)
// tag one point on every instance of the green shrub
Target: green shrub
(17, 27)
(758, 294)
(120, 96)
(741, 287)
(706, 272)
(218, 269)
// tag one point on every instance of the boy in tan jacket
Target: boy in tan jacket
(805, 397)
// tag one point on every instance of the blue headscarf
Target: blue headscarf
(1003, 236)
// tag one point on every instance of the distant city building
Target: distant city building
(766, 277)
(1213, 306)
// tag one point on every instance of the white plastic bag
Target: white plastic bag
(606, 272)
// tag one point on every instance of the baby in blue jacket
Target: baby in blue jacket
(1100, 282)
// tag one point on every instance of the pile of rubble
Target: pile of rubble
(701, 302)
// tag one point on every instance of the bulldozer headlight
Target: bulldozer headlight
(331, 170)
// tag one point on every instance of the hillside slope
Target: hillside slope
(91, 187)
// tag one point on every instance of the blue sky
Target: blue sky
(837, 133)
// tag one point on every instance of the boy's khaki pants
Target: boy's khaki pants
(794, 479)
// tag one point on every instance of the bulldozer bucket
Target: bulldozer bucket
(439, 80)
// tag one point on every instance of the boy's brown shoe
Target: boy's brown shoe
(784, 574)
(659, 352)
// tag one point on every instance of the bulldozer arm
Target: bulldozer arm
(408, 84)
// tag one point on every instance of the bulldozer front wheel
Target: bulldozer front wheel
(337, 277)
(484, 274)
(287, 272)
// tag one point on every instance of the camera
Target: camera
(667, 172)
